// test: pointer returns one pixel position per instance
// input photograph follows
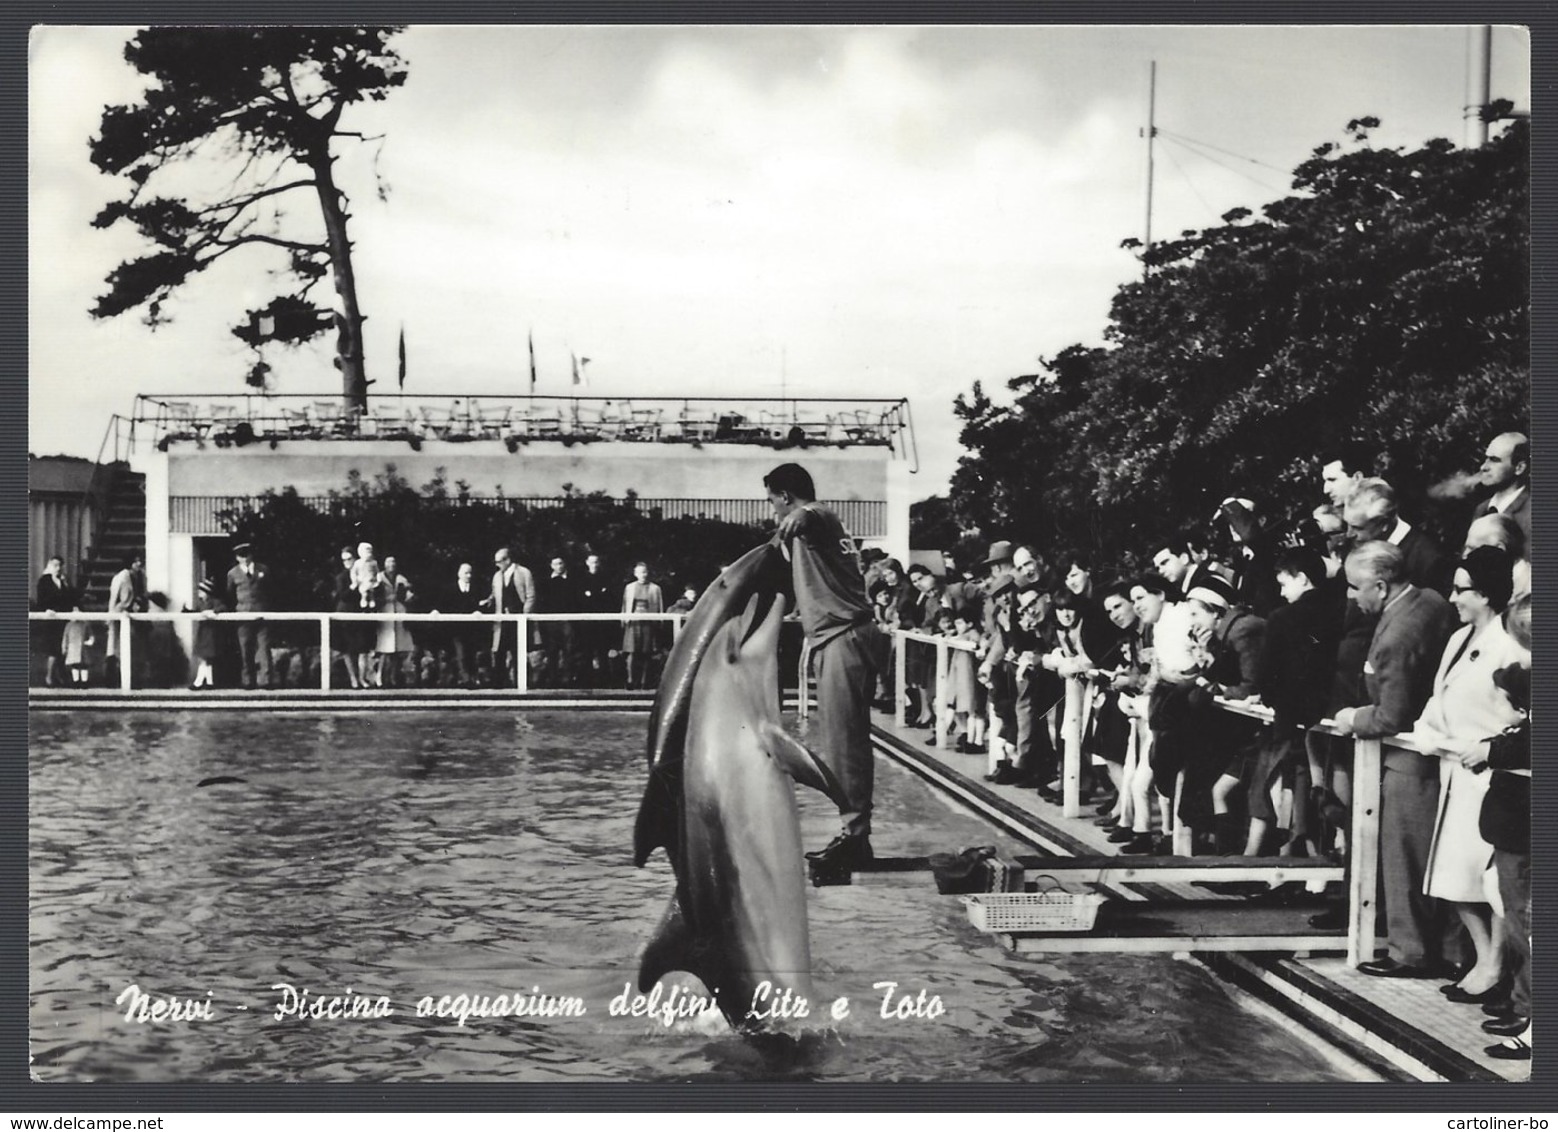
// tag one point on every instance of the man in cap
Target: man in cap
(248, 591)
(997, 565)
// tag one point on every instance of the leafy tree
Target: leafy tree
(431, 529)
(932, 523)
(266, 105)
(1385, 301)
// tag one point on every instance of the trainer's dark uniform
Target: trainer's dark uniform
(847, 649)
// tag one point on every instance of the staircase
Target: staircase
(121, 533)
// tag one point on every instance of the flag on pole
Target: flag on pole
(584, 374)
(532, 362)
(402, 357)
(575, 358)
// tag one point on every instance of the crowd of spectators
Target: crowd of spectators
(1356, 616)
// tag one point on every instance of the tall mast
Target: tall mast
(1152, 130)
(1479, 86)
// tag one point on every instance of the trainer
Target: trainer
(847, 649)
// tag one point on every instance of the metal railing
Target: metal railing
(778, 422)
(521, 621)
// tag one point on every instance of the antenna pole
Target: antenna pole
(1152, 130)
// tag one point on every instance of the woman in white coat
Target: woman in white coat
(1465, 711)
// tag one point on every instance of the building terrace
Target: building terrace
(164, 420)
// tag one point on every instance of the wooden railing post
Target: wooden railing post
(900, 679)
(942, 715)
(522, 652)
(1363, 848)
(1071, 742)
(324, 653)
(803, 682)
(126, 652)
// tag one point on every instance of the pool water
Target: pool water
(421, 856)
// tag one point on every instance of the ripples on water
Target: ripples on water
(411, 854)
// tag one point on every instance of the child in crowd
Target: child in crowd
(366, 577)
(685, 603)
(75, 641)
(968, 700)
(946, 625)
(208, 635)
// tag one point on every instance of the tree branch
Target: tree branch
(275, 241)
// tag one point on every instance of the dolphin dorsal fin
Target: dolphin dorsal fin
(801, 763)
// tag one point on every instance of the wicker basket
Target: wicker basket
(1052, 911)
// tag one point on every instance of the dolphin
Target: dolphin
(762, 572)
(738, 917)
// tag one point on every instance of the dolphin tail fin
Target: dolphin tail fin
(801, 763)
(673, 947)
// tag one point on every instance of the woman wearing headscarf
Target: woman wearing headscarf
(1465, 711)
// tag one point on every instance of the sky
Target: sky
(737, 211)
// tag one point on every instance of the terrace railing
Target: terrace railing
(167, 419)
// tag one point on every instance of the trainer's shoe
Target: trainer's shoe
(846, 851)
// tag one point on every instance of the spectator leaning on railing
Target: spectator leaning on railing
(1215, 764)
(1296, 661)
(1149, 598)
(1407, 644)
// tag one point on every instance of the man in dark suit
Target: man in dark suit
(1409, 640)
(1506, 472)
(556, 593)
(248, 591)
(55, 595)
(597, 594)
(464, 636)
(1370, 512)
(513, 591)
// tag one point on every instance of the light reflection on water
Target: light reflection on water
(410, 854)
